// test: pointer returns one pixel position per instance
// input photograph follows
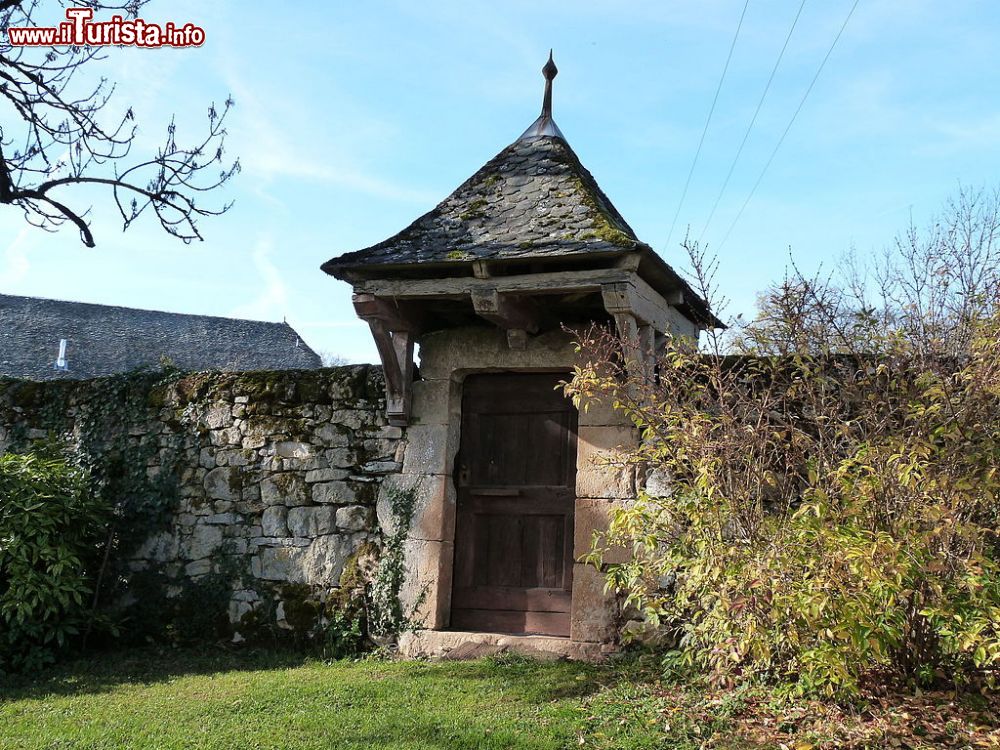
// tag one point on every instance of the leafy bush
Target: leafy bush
(51, 530)
(828, 510)
(342, 637)
(799, 542)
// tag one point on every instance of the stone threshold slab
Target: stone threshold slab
(454, 645)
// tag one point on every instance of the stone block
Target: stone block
(432, 402)
(597, 474)
(594, 515)
(354, 518)
(333, 493)
(223, 483)
(238, 609)
(657, 483)
(284, 489)
(232, 457)
(203, 541)
(332, 436)
(601, 414)
(325, 475)
(481, 348)
(198, 568)
(434, 507)
(218, 416)
(293, 449)
(341, 458)
(430, 449)
(312, 521)
(594, 614)
(426, 591)
(272, 564)
(320, 563)
(355, 419)
(326, 556)
(380, 467)
(452, 645)
(229, 436)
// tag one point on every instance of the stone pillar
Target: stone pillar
(601, 485)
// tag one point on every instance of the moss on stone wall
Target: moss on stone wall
(237, 492)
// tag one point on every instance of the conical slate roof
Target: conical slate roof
(533, 200)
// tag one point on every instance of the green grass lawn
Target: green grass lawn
(166, 699)
(163, 700)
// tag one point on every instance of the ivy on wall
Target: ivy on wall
(141, 437)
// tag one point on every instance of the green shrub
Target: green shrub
(828, 510)
(341, 637)
(51, 532)
(802, 543)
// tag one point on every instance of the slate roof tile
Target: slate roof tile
(103, 340)
(532, 200)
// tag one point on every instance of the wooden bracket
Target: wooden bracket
(394, 327)
(396, 315)
(505, 310)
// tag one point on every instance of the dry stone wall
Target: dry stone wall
(275, 476)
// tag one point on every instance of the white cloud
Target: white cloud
(274, 144)
(272, 301)
(272, 158)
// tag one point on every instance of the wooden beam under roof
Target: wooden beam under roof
(622, 290)
(506, 310)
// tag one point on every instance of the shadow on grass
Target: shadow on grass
(522, 678)
(102, 671)
(533, 681)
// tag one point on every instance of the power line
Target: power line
(789, 126)
(753, 120)
(708, 120)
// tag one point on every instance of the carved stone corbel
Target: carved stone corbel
(636, 332)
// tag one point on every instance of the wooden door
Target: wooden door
(516, 481)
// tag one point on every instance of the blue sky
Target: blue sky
(352, 119)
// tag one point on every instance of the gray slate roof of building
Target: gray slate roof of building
(103, 340)
(532, 200)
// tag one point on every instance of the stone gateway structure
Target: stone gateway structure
(508, 474)
(265, 500)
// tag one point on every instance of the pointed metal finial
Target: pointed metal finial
(550, 71)
(545, 125)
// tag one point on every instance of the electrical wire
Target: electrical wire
(753, 120)
(788, 127)
(704, 132)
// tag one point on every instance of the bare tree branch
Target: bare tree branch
(56, 137)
